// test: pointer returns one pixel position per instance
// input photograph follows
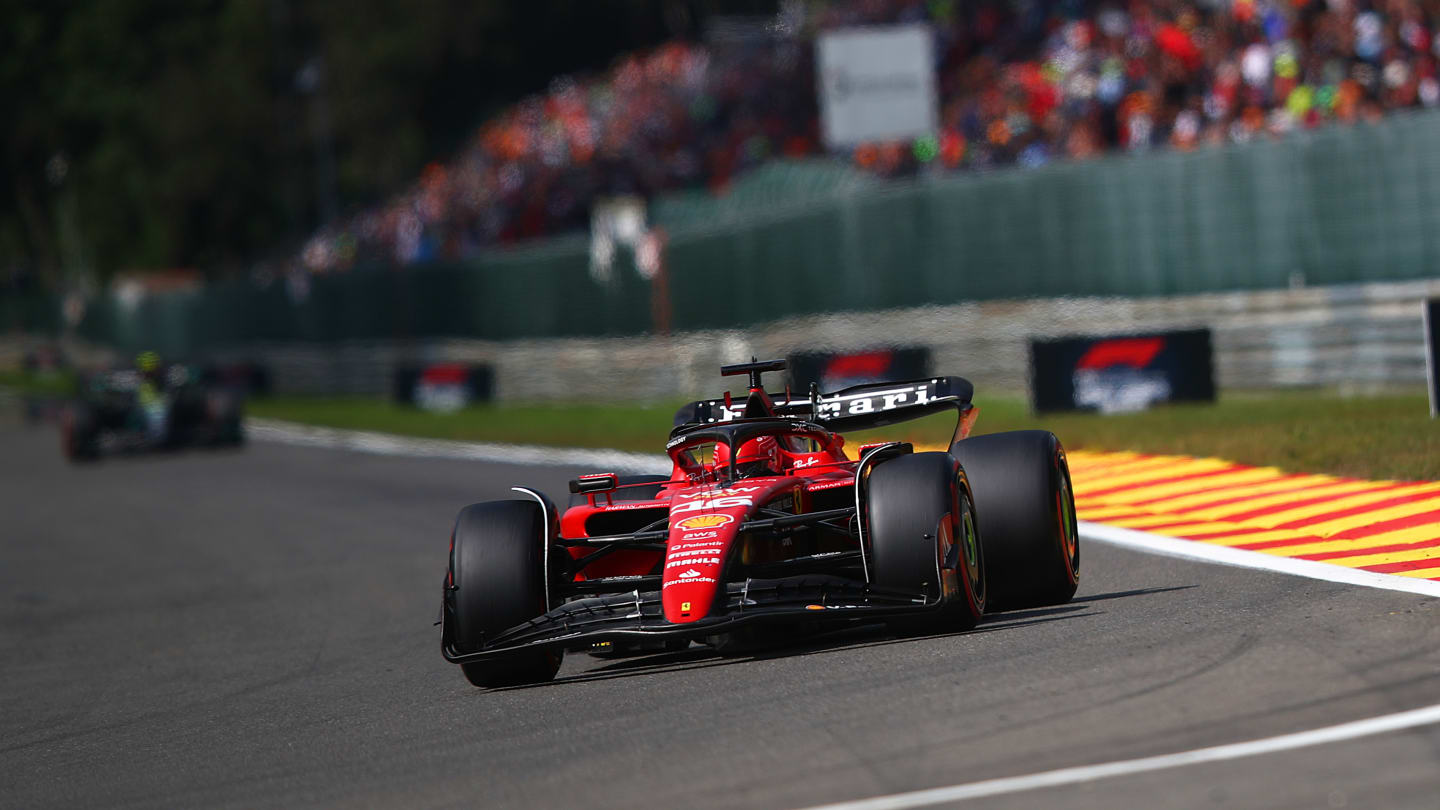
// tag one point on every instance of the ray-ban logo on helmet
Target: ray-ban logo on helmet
(703, 522)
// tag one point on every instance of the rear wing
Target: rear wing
(859, 407)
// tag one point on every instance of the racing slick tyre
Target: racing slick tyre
(233, 434)
(1025, 510)
(230, 430)
(922, 539)
(497, 565)
(627, 492)
(80, 434)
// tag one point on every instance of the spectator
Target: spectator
(1022, 84)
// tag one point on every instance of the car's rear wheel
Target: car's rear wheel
(497, 574)
(233, 432)
(923, 538)
(229, 420)
(1026, 513)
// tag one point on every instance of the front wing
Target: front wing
(638, 614)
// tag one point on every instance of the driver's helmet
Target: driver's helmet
(147, 362)
(148, 365)
(755, 457)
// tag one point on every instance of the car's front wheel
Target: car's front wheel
(80, 433)
(923, 538)
(496, 581)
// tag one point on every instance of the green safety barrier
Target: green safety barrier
(1342, 204)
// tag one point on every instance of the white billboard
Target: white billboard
(876, 84)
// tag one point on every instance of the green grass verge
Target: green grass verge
(1390, 436)
(624, 427)
(55, 384)
(1387, 436)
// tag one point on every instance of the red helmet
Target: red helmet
(753, 458)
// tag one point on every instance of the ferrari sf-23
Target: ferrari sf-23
(765, 529)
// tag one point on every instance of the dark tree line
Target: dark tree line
(151, 134)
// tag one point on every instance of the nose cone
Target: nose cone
(701, 533)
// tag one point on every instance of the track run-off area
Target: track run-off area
(253, 629)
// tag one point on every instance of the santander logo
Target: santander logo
(690, 573)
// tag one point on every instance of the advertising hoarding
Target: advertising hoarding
(876, 84)
(1113, 374)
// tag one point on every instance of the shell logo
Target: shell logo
(703, 522)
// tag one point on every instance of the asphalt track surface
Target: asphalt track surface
(253, 629)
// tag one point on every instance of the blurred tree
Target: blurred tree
(143, 134)
(148, 134)
(32, 131)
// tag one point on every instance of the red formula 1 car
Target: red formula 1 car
(766, 528)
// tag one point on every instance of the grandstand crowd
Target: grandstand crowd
(1020, 82)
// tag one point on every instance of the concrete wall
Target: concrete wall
(1357, 337)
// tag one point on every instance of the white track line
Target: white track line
(617, 461)
(1384, 724)
(1224, 555)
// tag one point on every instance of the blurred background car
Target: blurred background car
(152, 406)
